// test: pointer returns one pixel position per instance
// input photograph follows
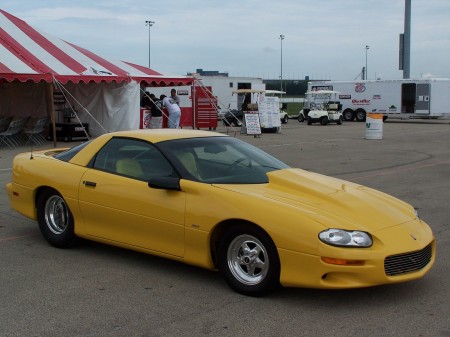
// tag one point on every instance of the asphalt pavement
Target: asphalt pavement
(94, 290)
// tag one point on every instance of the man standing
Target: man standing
(173, 95)
(156, 112)
(174, 111)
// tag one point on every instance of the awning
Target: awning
(27, 54)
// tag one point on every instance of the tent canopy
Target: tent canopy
(28, 54)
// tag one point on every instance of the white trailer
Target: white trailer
(427, 98)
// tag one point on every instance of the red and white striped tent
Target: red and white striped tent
(34, 63)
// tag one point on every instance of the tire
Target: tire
(285, 119)
(360, 115)
(324, 121)
(309, 120)
(349, 115)
(301, 118)
(248, 260)
(55, 219)
(339, 122)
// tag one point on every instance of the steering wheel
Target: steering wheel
(238, 162)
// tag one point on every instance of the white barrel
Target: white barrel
(374, 126)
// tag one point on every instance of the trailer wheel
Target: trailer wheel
(360, 115)
(349, 115)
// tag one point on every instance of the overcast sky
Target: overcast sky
(323, 39)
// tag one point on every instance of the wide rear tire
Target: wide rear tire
(55, 219)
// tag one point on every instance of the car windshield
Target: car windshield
(220, 160)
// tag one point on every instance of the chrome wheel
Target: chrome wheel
(56, 214)
(55, 219)
(247, 259)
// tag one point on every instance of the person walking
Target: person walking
(174, 111)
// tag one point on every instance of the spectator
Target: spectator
(156, 112)
(145, 101)
(173, 95)
(174, 111)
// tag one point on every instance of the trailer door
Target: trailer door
(408, 97)
(423, 99)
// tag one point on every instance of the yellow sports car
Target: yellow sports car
(216, 202)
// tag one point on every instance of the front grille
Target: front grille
(407, 262)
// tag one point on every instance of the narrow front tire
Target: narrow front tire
(248, 260)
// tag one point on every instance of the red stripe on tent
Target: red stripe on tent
(23, 54)
(48, 46)
(101, 61)
(142, 69)
(5, 69)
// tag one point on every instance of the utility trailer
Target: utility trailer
(426, 98)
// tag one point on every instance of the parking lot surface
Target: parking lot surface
(96, 290)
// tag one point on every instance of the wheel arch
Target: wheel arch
(227, 225)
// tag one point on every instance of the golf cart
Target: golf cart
(248, 101)
(322, 107)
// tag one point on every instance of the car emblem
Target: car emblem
(414, 238)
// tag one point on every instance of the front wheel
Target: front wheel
(248, 260)
(55, 219)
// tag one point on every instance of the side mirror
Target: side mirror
(165, 183)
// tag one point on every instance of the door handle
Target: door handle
(89, 183)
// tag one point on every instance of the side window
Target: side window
(132, 158)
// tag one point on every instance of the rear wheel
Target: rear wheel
(309, 120)
(249, 261)
(285, 119)
(349, 115)
(55, 219)
(360, 115)
(339, 122)
(301, 117)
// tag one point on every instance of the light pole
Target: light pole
(149, 24)
(367, 48)
(281, 72)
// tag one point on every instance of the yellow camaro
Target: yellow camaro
(216, 202)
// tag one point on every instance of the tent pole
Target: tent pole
(51, 104)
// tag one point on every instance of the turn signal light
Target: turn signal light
(342, 262)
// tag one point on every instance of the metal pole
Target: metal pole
(367, 48)
(149, 24)
(407, 40)
(281, 72)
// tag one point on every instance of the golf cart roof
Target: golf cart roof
(257, 91)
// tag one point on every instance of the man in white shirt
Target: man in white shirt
(174, 111)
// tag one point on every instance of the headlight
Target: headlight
(341, 237)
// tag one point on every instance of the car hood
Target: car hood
(330, 201)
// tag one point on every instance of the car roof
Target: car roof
(160, 135)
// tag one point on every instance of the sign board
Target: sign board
(252, 124)
(269, 111)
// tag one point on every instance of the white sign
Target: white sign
(252, 124)
(269, 111)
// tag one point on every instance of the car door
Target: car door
(117, 205)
